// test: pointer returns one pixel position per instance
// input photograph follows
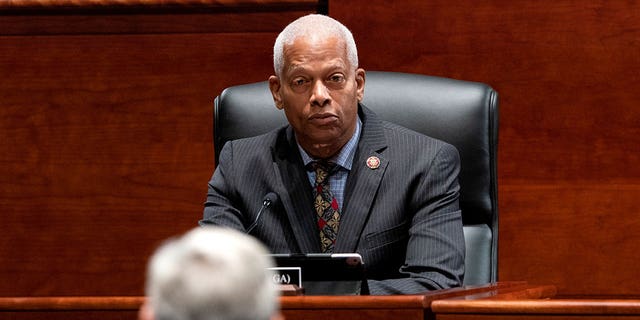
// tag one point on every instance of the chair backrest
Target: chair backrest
(462, 113)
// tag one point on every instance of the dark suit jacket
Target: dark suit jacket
(403, 217)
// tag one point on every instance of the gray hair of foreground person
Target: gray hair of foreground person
(211, 273)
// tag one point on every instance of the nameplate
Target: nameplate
(287, 275)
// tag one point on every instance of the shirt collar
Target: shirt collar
(344, 158)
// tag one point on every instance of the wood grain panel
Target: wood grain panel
(293, 307)
(567, 75)
(106, 143)
(581, 237)
(536, 309)
(68, 308)
(108, 151)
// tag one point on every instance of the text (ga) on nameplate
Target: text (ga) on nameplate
(287, 275)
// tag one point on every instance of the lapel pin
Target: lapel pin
(373, 162)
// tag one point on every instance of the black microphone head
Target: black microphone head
(269, 199)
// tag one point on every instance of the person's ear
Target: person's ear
(274, 86)
(145, 312)
(360, 80)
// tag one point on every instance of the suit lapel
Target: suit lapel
(294, 189)
(295, 192)
(363, 182)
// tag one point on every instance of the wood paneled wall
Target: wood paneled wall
(567, 72)
(106, 130)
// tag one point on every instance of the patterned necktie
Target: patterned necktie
(326, 207)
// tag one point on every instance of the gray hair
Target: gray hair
(313, 25)
(212, 273)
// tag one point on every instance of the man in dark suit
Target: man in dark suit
(345, 180)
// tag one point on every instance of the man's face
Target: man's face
(319, 91)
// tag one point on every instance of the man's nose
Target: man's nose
(320, 94)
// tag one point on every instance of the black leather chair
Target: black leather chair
(462, 113)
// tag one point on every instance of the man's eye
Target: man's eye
(337, 78)
(298, 82)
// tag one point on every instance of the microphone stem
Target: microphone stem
(265, 205)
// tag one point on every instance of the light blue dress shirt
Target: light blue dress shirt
(343, 161)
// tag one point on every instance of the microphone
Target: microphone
(269, 199)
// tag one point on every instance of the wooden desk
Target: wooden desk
(399, 307)
(70, 308)
(535, 309)
(293, 307)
